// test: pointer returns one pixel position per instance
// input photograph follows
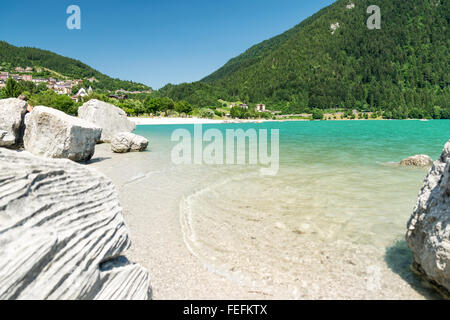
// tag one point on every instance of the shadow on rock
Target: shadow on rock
(399, 259)
(95, 160)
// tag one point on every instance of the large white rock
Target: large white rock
(111, 119)
(428, 233)
(126, 142)
(420, 160)
(52, 133)
(62, 233)
(12, 113)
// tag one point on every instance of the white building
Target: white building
(260, 108)
(82, 93)
(37, 81)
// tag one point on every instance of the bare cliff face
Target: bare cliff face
(62, 233)
(428, 233)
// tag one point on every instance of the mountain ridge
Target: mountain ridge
(396, 69)
(69, 67)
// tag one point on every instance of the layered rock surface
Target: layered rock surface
(54, 134)
(111, 119)
(128, 142)
(428, 233)
(62, 233)
(12, 113)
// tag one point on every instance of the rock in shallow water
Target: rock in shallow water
(126, 142)
(428, 233)
(62, 233)
(420, 160)
(54, 134)
(111, 119)
(12, 113)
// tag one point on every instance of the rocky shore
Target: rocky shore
(428, 233)
(62, 229)
(63, 234)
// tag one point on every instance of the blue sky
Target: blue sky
(155, 41)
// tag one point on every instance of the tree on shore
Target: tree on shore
(317, 114)
(183, 107)
(12, 89)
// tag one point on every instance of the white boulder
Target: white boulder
(111, 119)
(62, 233)
(420, 160)
(428, 233)
(52, 133)
(126, 142)
(12, 113)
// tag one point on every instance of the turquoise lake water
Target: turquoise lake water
(361, 142)
(330, 224)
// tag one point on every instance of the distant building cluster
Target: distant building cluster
(258, 108)
(6, 75)
(24, 70)
(59, 87)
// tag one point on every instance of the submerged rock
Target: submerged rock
(428, 233)
(12, 113)
(126, 142)
(111, 119)
(62, 233)
(52, 133)
(420, 160)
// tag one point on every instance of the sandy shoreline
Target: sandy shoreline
(181, 121)
(151, 191)
(150, 203)
(164, 121)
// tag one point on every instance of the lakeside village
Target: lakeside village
(60, 87)
(124, 99)
(229, 110)
(66, 87)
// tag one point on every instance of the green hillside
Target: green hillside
(74, 69)
(402, 68)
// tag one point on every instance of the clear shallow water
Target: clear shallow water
(330, 224)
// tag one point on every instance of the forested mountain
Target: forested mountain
(401, 68)
(32, 57)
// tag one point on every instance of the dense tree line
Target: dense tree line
(153, 105)
(197, 93)
(143, 104)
